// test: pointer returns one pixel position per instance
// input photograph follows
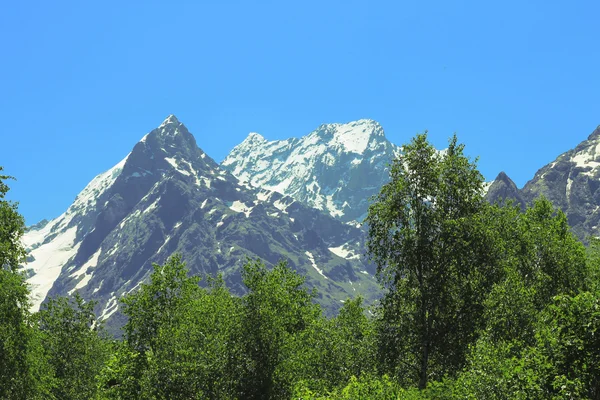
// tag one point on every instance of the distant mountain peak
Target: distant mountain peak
(335, 168)
(353, 136)
(170, 138)
(170, 120)
(503, 189)
(168, 196)
(504, 178)
(595, 135)
(254, 137)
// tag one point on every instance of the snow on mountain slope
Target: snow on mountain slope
(52, 245)
(335, 168)
(168, 196)
(571, 182)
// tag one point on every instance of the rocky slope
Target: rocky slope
(335, 168)
(571, 182)
(168, 196)
(502, 189)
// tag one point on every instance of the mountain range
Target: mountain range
(301, 199)
(336, 168)
(571, 182)
(168, 196)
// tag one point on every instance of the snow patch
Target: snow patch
(111, 307)
(343, 253)
(281, 206)
(311, 258)
(264, 195)
(86, 199)
(353, 137)
(240, 207)
(164, 244)
(131, 216)
(49, 260)
(486, 186)
(151, 206)
(99, 286)
(221, 221)
(175, 165)
(91, 263)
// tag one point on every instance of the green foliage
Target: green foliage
(331, 351)
(428, 241)
(73, 345)
(277, 307)
(569, 337)
(593, 264)
(12, 227)
(155, 313)
(24, 373)
(198, 357)
(552, 260)
(482, 302)
(366, 388)
(119, 378)
(541, 258)
(156, 305)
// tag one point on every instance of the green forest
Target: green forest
(479, 301)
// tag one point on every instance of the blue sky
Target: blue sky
(82, 82)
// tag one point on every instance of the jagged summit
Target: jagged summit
(170, 120)
(571, 182)
(335, 168)
(254, 137)
(168, 196)
(352, 136)
(596, 134)
(504, 189)
(503, 178)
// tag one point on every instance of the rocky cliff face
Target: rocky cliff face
(502, 189)
(571, 183)
(335, 168)
(168, 196)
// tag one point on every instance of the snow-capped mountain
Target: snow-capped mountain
(335, 168)
(168, 196)
(571, 183)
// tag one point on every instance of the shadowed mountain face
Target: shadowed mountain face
(503, 189)
(336, 168)
(168, 196)
(571, 182)
(297, 199)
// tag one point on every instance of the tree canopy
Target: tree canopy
(479, 301)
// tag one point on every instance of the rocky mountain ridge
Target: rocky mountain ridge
(168, 196)
(336, 168)
(301, 199)
(571, 182)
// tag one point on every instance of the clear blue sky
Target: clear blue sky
(83, 81)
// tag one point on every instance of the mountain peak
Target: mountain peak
(503, 189)
(595, 134)
(352, 137)
(168, 196)
(335, 168)
(170, 120)
(255, 137)
(174, 132)
(502, 177)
